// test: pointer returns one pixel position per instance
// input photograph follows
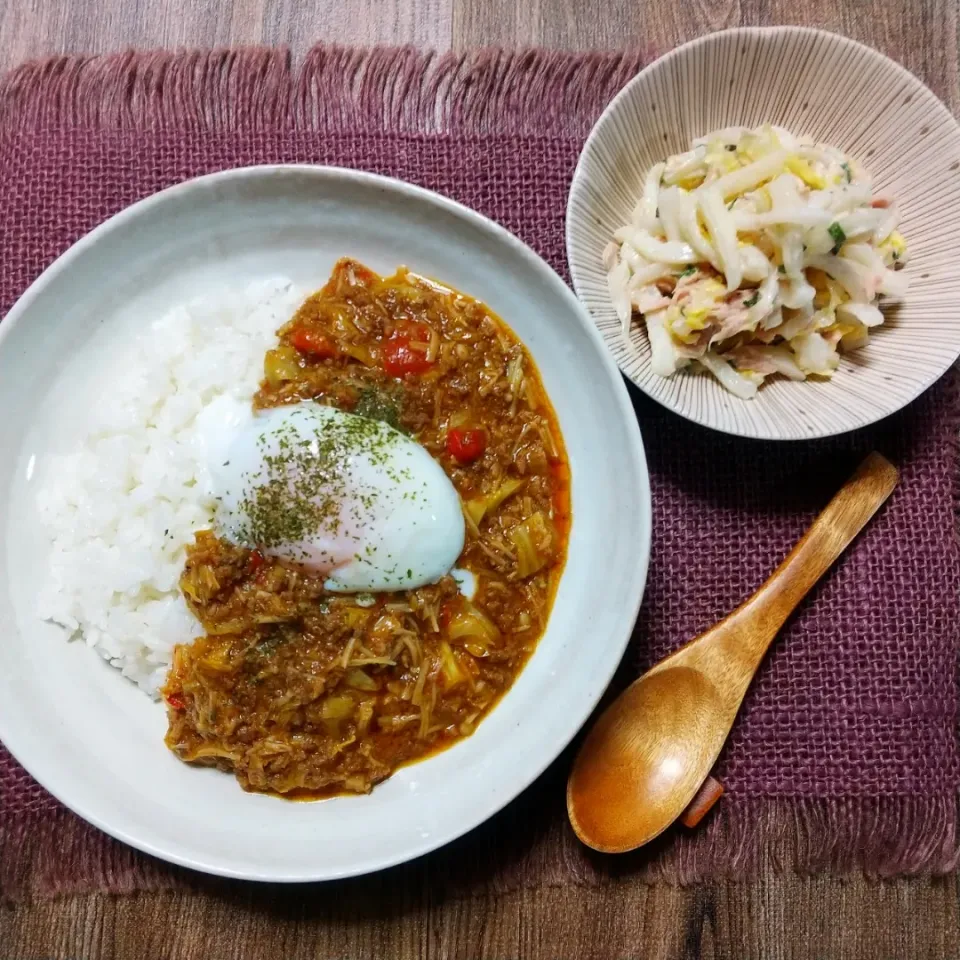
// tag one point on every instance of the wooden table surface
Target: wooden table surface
(773, 917)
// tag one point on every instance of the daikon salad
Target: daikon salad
(756, 253)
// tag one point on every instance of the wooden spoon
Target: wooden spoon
(648, 754)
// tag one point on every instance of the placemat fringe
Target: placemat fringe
(882, 837)
(60, 855)
(214, 90)
(384, 89)
(878, 836)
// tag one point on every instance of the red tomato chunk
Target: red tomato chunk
(406, 351)
(313, 344)
(466, 445)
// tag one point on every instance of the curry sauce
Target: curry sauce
(304, 693)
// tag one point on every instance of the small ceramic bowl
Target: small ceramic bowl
(838, 92)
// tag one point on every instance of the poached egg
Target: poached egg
(345, 496)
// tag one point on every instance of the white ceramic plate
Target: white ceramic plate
(95, 741)
(838, 92)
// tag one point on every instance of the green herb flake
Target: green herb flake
(301, 487)
(847, 171)
(689, 270)
(379, 404)
(754, 299)
(839, 237)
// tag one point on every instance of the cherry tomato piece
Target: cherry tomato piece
(465, 446)
(313, 344)
(401, 357)
(176, 701)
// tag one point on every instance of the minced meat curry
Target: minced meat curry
(306, 693)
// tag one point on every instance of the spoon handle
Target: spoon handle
(831, 533)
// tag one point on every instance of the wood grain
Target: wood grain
(921, 34)
(774, 918)
(33, 28)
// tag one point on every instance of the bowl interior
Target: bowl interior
(89, 735)
(838, 92)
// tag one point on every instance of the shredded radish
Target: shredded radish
(757, 253)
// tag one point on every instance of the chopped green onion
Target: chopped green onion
(846, 169)
(688, 271)
(753, 299)
(839, 237)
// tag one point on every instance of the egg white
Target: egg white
(380, 513)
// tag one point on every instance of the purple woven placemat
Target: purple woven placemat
(845, 754)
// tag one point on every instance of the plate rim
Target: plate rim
(579, 177)
(561, 734)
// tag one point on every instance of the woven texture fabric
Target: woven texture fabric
(845, 753)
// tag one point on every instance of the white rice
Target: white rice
(121, 505)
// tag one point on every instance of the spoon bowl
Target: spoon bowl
(647, 782)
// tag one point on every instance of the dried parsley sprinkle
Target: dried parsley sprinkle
(302, 485)
(381, 403)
